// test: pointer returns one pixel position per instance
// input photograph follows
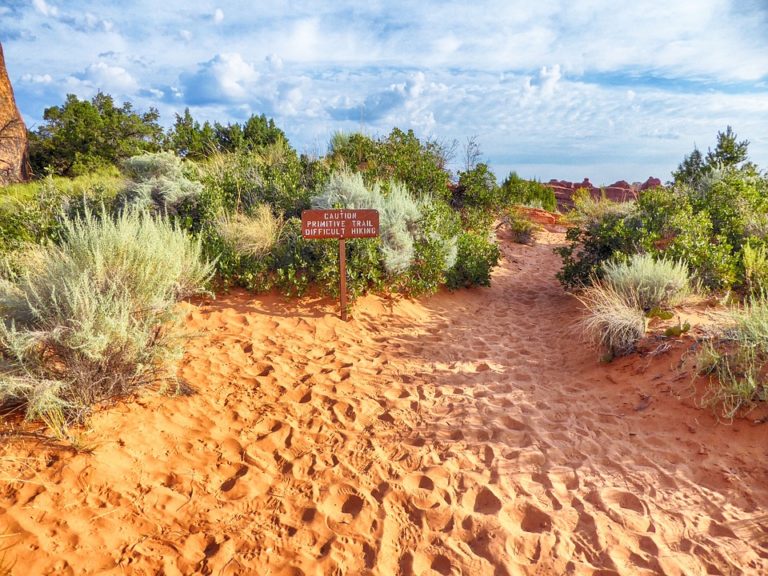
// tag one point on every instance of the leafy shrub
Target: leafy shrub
(614, 321)
(733, 201)
(650, 282)
(34, 212)
(272, 175)
(601, 238)
(706, 224)
(401, 157)
(299, 263)
(738, 359)
(91, 319)
(477, 256)
(516, 190)
(436, 249)
(477, 198)
(31, 221)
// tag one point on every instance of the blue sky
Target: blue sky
(561, 89)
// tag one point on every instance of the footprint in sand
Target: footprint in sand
(343, 509)
(421, 491)
(625, 508)
(534, 520)
(486, 502)
(228, 487)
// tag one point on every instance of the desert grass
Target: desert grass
(737, 359)
(755, 261)
(6, 564)
(106, 183)
(588, 211)
(93, 318)
(651, 282)
(520, 228)
(614, 322)
(251, 234)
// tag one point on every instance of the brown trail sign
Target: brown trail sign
(341, 224)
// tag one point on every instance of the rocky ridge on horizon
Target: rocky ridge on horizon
(620, 191)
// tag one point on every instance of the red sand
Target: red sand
(468, 433)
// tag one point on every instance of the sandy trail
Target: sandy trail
(468, 433)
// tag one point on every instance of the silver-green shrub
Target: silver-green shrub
(650, 282)
(346, 189)
(399, 214)
(157, 182)
(93, 317)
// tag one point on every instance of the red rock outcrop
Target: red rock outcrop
(620, 191)
(14, 159)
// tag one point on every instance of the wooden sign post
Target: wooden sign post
(341, 224)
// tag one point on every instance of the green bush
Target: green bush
(477, 197)
(34, 212)
(436, 250)
(705, 224)
(272, 175)
(602, 237)
(647, 281)
(477, 256)
(517, 191)
(298, 263)
(91, 319)
(401, 157)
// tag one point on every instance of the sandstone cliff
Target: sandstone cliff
(620, 191)
(14, 160)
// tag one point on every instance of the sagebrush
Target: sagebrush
(648, 281)
(92, 318)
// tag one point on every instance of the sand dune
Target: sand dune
(468, 433)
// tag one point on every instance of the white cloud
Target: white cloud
(37, 78)
(218, 16)
(45, 9)
(224, 78)
(109, 78)
(275, 62)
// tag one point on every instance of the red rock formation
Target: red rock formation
(14, 160)
(620, 191)
(650, 183)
